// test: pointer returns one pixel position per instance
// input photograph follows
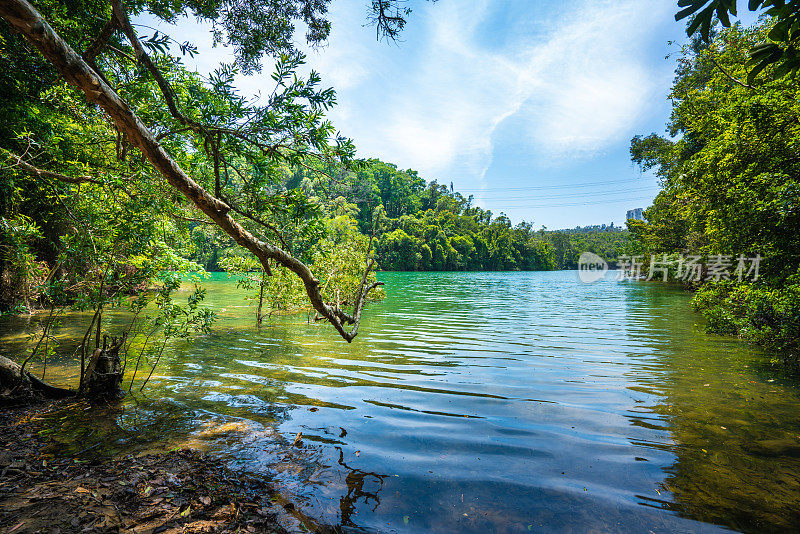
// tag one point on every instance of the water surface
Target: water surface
(477, 402)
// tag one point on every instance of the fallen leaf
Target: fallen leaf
(81, 489)
(297, 438)
(205, 500)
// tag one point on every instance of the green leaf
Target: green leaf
(722, 14)
(694, 6)
(751, 76)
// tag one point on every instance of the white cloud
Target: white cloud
(577, 87)
(573, 75)
(596, 83)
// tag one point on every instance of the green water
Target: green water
(477, 402)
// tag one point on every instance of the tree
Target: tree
(229, 145)
(92, 210)
(781, 46)
(730, 187)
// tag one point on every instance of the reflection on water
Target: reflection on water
(503, 402)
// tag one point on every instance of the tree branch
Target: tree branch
(190, 219)
(100, 41)
(121, 14)
(257, 220)
(41, 173)
(729, 76)
(98, 44)
(24, 18)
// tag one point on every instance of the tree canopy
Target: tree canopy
(420, 225)
(778, 47)
(729, 176)
(80, 188)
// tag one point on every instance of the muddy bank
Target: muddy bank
(180, 491)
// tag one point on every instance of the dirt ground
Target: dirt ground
(180, 491)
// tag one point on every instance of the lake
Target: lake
(476, 402)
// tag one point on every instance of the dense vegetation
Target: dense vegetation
(781, 48)
(729, 172)
(82, 207)
(419, 226)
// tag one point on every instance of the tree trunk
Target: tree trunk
(103, 376)
(260, 317)
(13, 380)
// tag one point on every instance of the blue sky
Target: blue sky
(529, 105)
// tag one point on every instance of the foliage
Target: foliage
(338, 261)
(419, 226)
(767, 316)
(168, 321)
(207, 144)
(89, 184)
(780, 45)
(429, 227)
(203, 172)
(730, 184)
(22, 274)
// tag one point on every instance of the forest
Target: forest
(191, 176)
(729, 174)
(85, 221)
(419, 226)
(263, 189)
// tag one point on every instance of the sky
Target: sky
(529, 105)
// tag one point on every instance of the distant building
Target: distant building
(635, 214)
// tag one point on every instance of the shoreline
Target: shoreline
(183, 490)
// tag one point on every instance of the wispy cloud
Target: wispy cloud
(546, 84)
(576, 86)
(592, 82)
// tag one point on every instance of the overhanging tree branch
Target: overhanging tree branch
(24, 18)
(121, 14)
(730, 76)
(100, 41)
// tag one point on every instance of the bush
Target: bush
(764, 315)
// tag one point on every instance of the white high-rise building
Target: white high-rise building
(635, 214)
